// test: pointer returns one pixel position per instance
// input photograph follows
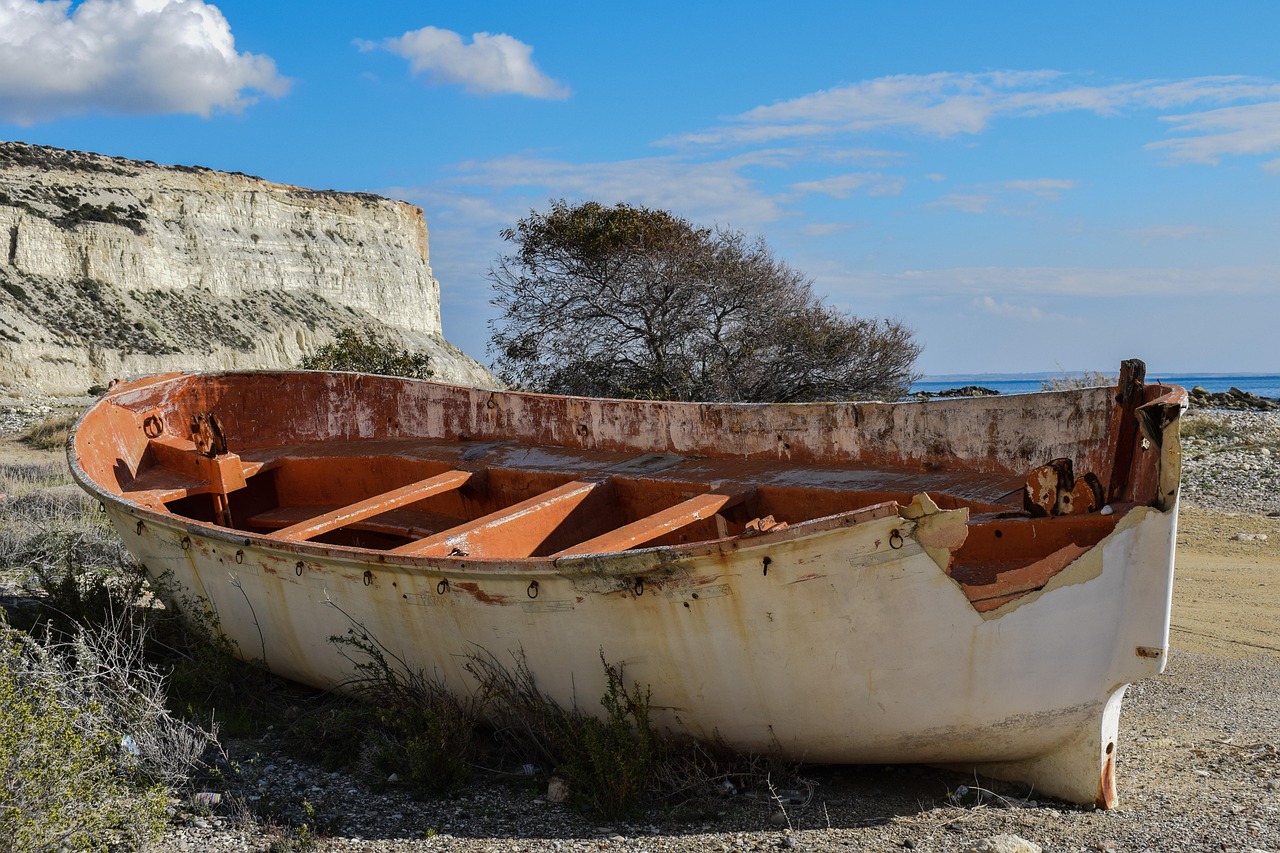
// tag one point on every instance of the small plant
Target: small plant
(1074, 381)
(368, 354)
(426, 734)
(609, 760)
(50, 434)
(88, 752)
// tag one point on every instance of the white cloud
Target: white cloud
(1246, 129)
(1015, 282)
(1047, 188)
(704, 192)
(965, 202)
(127, 57)
(1028, 313)
(845, 186)
(948, 104)
(489, 65)
(1008, 198)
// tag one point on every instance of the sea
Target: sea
(1262, 384)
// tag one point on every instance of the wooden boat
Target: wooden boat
(968, 582)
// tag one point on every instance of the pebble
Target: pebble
(1224, 467)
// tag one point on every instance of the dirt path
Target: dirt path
(1226, 594)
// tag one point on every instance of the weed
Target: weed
(426, 733)
(50, 434)
(608, 759)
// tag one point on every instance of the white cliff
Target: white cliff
(112, 267)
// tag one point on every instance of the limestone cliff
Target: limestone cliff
(112, 267)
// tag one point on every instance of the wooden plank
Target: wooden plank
(507, 532)
(360, 510)
(665, 521)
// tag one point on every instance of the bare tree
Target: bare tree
(626, 301)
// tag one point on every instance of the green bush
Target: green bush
(368, 354)
(70, 779)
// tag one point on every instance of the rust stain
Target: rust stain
(474, 590)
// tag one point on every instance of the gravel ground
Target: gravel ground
(1231, 461)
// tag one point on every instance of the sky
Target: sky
(1029, 186)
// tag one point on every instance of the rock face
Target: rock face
(112, 267)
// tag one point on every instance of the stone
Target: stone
(1005, 843)
(112, 267)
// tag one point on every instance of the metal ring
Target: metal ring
(895, 540)
(139, 527)
(239, 556)
(152, 426)
(639, 587)
(442, 587)
(297, 570)
(532, 591)
(368, 578)
(102, 507)
(186, 543)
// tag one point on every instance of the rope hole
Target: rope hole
(139, 527)
(767, 562)
(186, 543)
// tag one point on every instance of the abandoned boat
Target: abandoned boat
(969, 582)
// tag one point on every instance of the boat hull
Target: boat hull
(849, 644)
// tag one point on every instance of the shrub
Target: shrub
(609, 761)
(87, 750)
(426, 734)
(368, 354)
(1073, 381)
(50, 434)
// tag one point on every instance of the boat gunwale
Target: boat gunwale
(658, 556)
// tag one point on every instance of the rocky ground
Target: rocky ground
(1198, 766)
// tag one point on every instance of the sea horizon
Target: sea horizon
(1262, 384)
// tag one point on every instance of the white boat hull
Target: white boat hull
(845, 645)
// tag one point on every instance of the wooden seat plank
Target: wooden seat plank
(375, 505)
(660, 523)
(496, 534)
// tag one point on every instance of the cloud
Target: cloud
(1151, 233)
(950, 104)
(1047, 188)
(1029, 313)
(1246, 129)
(1008, 198)
(965, 202)
(704, 192)
(489, 65)
(1077, 282)
(845, 186)
(129, 57)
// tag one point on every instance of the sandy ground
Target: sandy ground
(1226, 592)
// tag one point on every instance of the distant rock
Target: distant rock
(966, 391)
(1233, 399)
(112, 267)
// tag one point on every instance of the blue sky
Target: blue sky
(1032, 187)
